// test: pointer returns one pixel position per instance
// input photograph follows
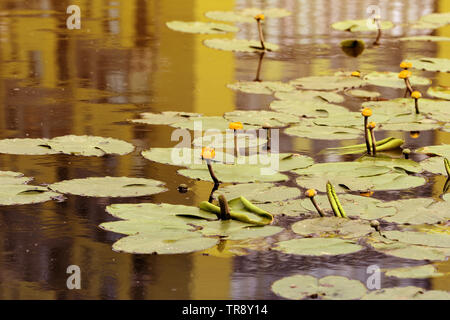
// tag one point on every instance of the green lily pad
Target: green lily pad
(431, 64)
(441, 150)
(317, 246)
(419, 272)
(299, 287)
(10, 177)
(109, 187)
(386, 144)
(360, 26)
(434, 165)
(407, 165)
(446, 197)
(418, 211)
(261, 87)
(406, 293)
(260, 192)
(308, 108)
(207, 123)
(433, 21)
(424, 125)
(302, 95)
(336, 82)
(14, 194)
(358, 93)
(247, 15)
(391, 80)
(425, 38)
(221, 141)
(240, 173)
(163, 244)
(332, 227)
(167, 117)
(239, 45)
(201, 27)
(323, 132)
(184, 157)
(350, 119)
(261, 118)
(439, 92)
(420, 238)
(71, 144)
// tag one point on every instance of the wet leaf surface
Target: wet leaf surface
(317, 246)
(201, 27)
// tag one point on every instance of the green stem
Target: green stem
(366, 137)
(332, 201)
(374, 146)
(416, 101)
(224, 209)
(447, 166)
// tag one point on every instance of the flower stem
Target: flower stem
(261, 35)
(211, 172)
(408, 86)
(224, 209)
(319, 210)
(374, 144)
(416, 101)
(377, 40)
(366, 135)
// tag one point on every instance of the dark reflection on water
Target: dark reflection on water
(124, 61)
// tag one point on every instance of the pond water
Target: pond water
(124, 61)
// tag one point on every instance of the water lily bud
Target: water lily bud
(406, 151)
(260, 17)
(356, 74)
(208, 153)
(416, 95)
(406, 65)
(236, 125)
(310, 193)
(372, 125)
(405, 74)
(367, 112)
(375, 224)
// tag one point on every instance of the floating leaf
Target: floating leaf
(435, 165)
(441, 150)
(419, 272)
(350, 119)
(331, 287)
(336, 82)
(261, 118)
(308, 108)
(332, 227)
(317, 246)
(419, 238)
(357, 93)
(360, 25)
(439, 92)
(26, 146)
(425, 38)
(302, 95)
(223, 141)
(418, 211)
(9, 177)
(381, 145)
(239, 45)
(167, 117)
(184, 157)
(14, 194)
(109, 187)
(407, 165)
(201, 27)
(207, 123)
(261, 87)
(391, 80)
(260, 192)
(323, 132)
(431, 64)
(247, 15)
(406, 293)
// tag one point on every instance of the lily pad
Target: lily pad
(207, 123)
(323, 132)
(165, 118)
(221, 141)
(332, 227)
(308, 108)
(331, 287)
(26, 146)
(420, 238)
(358, 93)
(10, 177)
(440, 150)
(336, 82)
(425, 38)
(261, 87)
(393, 163)
(14, 194)
(431, 64)
(239, 45)
(260, 192)
(247, 15)
(317, 246)
(439, 92)
(184, 157)
(302, 95)
(406, 293)
(419, 272)
(261, 118)
(350, 119)
(360, 25)
(434, 165)
(201, 27)
(391, 80)
(109, 187)
(418, 211)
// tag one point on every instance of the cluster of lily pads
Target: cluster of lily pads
(307, 107)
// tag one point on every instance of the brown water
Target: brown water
(124, 61)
